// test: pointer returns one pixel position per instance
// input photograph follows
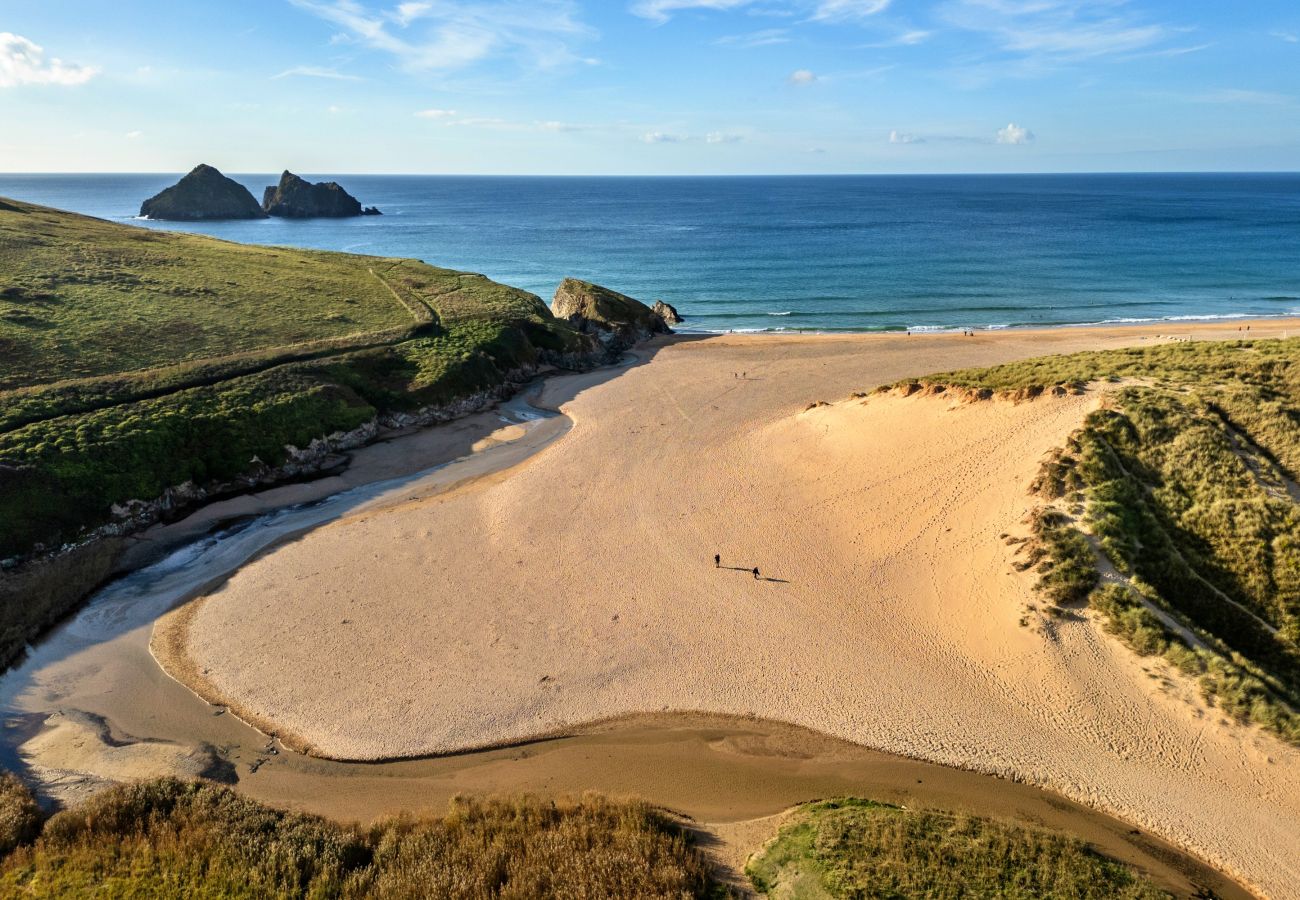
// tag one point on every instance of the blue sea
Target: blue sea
(850, 253)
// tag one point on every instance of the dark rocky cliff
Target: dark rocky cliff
(297, 198)
(203, 194)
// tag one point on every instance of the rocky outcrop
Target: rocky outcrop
(617, 320)
(297, 198)
(201, 195)
(667, 312)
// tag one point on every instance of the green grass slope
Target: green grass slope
(132, 361)
(859, 848)
(1185, 488)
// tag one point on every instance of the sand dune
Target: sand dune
(580, 585)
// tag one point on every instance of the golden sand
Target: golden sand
(580, 585)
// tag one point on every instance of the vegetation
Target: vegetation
(20, 817)
(859, 848)
(169, 838)
(1186, 486)
(132, 361)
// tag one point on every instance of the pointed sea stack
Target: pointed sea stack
(297, 198)
(203, 194)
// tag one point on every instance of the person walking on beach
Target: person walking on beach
(755, 573)
(717, 560)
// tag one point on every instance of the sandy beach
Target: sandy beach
(579, 585)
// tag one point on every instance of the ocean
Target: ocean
(826, 253)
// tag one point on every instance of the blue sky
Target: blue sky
(650, 86)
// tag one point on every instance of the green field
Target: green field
(132, 361)
(1185, 488)
(858, 848)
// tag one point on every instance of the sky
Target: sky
(605, 87)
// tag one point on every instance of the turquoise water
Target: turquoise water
(843, 253)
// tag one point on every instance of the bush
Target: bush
(168, 838)
(20, 817)
(858, 848)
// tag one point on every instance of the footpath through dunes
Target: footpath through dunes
(580, 585)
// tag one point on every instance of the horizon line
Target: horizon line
(4, 174)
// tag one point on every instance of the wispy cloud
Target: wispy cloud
(23, 62)
(1057, 31)
(1242, 97)
(722, 137)
(661, 137)
(802, 78)
(764, 38)
(1288, 36)
(815, 10)
(903, 39)
(840, 10)
(436, 113)
(453, 34)
(901, 137)
(317, 72)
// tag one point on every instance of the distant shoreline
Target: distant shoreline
(1243, 320)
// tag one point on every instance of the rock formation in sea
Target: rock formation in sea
(297, 198)
(667, 312)
(616, 319)
(203, 194)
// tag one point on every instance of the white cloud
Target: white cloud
(408, 12)
(316, 72)
(659, 137)
(816, 10)
(1056, 31)
(1014, 134)
(23, 62)
(802, 77)
(454, 34)
(899, 137)
(722, 137)
(1287, 36)
(436, 113)
(134, 135)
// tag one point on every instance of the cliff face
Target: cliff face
(619, 321)
(297, 198)
(203, 194)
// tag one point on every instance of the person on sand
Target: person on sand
(717, 560)
(755, 572)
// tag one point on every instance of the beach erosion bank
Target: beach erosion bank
(580, 585)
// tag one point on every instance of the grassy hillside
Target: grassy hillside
(132, 361)
(858, 848)
(1184, 491)
(169, 839)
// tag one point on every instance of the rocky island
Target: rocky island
(205, 195)
(297, 198)
(201, 195)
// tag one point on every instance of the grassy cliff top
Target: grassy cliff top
(82, 297)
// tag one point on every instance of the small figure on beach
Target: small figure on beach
(756, 572)
(717, 560)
